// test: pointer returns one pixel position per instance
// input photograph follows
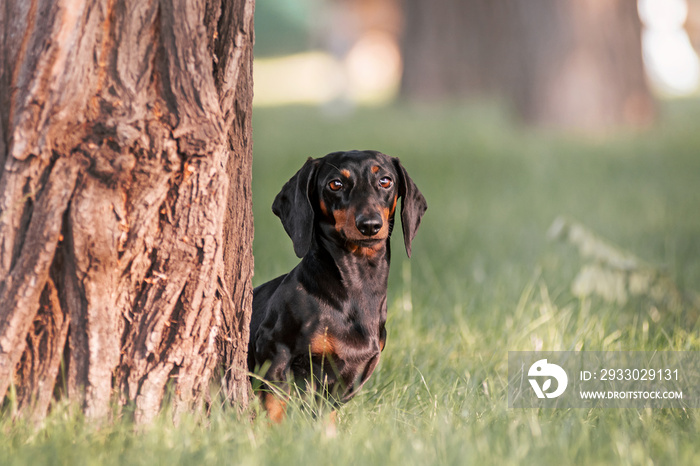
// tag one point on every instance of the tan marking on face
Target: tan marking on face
(383, 233)
(345, 225)
(393, 206)
(323, 207)
(375, 169)
(386, 213)
(275, 407)
(368, 251)
(322, 343)
(345, 172)
(345, 222)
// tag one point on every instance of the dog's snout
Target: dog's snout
(369, 225)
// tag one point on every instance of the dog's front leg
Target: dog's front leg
(274, 399)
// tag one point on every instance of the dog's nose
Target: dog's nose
(368, 226)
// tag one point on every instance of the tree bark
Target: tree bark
(570, 64)
(126, 153)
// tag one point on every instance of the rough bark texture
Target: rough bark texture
(571, 64)
(125, 150)
(235, 283)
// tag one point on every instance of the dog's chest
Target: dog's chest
(351, 334)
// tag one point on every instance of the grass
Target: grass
(484, 279)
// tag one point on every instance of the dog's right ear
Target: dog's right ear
(293, 206)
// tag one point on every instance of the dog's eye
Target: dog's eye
(386, 182)
(335, 185)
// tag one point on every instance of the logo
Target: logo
(542, 368)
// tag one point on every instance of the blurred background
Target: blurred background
(515, 118)
(586, 64)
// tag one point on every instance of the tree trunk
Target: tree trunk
(125, 210)
(571, 64)
(444, 48)
(692, 24)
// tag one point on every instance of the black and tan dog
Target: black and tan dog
(322, 324)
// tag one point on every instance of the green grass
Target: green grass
(484, 279)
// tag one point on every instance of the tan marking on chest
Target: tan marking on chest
(322, 343)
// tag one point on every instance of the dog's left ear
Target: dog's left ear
(293, 206)
(413, 205)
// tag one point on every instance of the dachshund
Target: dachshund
(322, 325)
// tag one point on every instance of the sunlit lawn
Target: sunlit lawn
(484, 279)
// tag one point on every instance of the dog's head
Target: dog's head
(352, 197)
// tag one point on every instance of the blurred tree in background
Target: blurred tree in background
(693, 23)
(584, 65)
(561, 64)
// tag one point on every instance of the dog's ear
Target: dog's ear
(293, 206)
(413, 205)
